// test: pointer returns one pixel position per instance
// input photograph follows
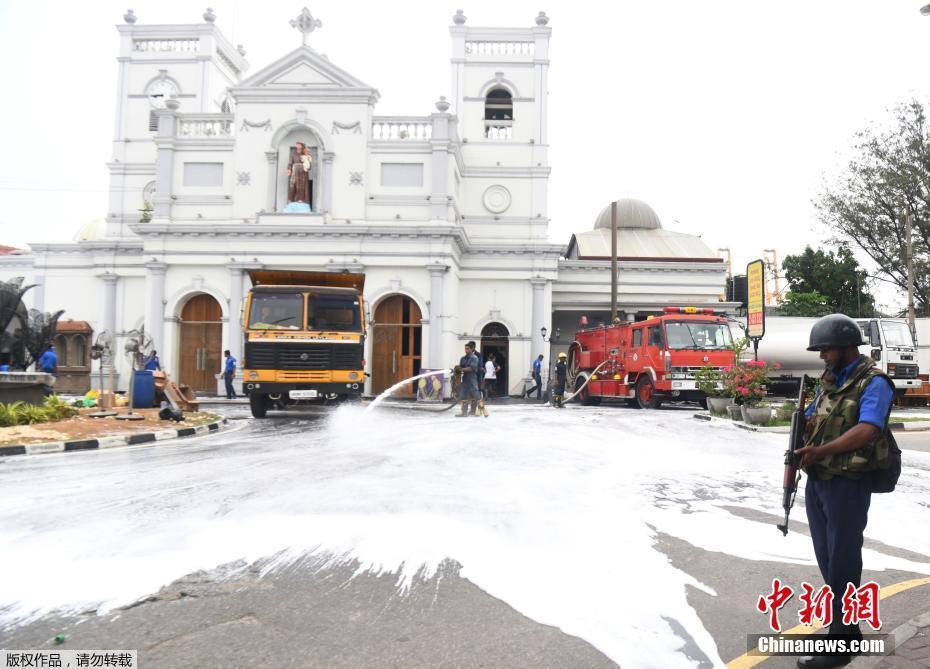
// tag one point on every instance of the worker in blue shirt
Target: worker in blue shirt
(537, 377)
(152, 363)
(48, 361)
(229, 374)
(847, 440)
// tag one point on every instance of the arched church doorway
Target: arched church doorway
(397, 337)
(201, 343)
(495, 338)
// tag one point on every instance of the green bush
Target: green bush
(20, 413)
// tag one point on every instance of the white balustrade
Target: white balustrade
(207, 125)
(486, 48)
(166, 45)
(401, 128)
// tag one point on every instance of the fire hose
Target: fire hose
(569, 398)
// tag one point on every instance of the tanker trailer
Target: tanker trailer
(887, 340)
(785, 342)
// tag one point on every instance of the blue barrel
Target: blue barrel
(143, 390)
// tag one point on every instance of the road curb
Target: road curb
(901, 634)
(743, 426)
(910, 426)
(110, 442)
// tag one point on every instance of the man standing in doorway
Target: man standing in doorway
(490, 376)
(229, 374)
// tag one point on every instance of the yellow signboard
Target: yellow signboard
(755, 299)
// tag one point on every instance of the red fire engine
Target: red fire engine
(650, 361)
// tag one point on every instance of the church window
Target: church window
(402, 174)
(153, 122)
(498, 114)
(61, 350)
(203, 174)
(78, 351)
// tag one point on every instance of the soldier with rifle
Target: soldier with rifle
(848, 454)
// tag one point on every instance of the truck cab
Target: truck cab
(304, 338)
(892, 348)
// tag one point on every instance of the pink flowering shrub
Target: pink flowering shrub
(746, 381)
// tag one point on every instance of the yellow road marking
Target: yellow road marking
(745, 661)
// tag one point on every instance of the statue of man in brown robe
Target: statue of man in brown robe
(298, 175)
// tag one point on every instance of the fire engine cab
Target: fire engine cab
(650, 361)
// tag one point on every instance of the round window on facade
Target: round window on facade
(497, 199)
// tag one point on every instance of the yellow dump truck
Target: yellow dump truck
(304, 338)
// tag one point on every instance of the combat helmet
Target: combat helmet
(835, 330)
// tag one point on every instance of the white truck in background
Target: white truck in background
(923, 344)
(889, 342)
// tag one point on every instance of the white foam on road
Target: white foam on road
(554, 512)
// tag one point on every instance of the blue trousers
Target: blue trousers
(837, 512)
(230, 391)
(537, 379)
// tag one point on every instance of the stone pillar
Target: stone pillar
(436, 273)
(155, 303)
(234, 343)
(164, 162)
(327, 182)
(540, 317)
(439, 198)
(458, 32)
(109, 323)
(272, 189)
(541, 35)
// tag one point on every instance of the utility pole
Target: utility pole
(613, 261)
(908, 224)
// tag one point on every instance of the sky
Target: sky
(725, 115)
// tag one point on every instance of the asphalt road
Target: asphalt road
(152, 507)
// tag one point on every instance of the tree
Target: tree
(890, 175)
(832, 280)
(812, 305)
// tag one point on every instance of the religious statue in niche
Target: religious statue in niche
(299, 179)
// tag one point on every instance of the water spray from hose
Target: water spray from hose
(400, 384)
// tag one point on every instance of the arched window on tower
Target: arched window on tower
(498, 114)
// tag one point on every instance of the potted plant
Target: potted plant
(730, 377)
(746, 380)
(785, 410)
(709, 380)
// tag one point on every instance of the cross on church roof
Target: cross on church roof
(306, 24)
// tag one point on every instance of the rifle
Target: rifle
(795, 441)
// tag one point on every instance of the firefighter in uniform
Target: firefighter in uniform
(469, 393)
(847, 440)
(561, 376)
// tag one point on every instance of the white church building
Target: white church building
(445, 212)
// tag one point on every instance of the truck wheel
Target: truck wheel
(259, 405)
(645, 394)
(584, 396)
(703, 403)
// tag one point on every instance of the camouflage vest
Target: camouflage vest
(837, 411)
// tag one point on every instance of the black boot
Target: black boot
(823, 661)
(837, 631)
